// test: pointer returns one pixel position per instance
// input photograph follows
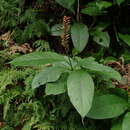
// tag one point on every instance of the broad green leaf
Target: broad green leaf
(49, 74)
(117, 126)
(68, 4)
(101, 69)
(119, 92)
(126, 122)
(107, 106)
(81, 90)
(57, 87)
(109, 59)
(126, 56)
(103, 4)
(125, 38)
(57, 30)
(96, 8)
(102, 38)
(37, 58)
(91, 10)
(120, 1)
(102, 25)
(80, 36)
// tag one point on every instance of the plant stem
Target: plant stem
(70, 63)
(78, 10)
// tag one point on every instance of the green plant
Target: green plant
(76, 77)
(92, 34)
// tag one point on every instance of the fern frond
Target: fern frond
(11, 77)
(41, 45)
(45, 126)
(37, 28)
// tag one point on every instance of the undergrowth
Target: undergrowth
(64, 41)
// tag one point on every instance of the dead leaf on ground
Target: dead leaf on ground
(124, 70)
(24, 48)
